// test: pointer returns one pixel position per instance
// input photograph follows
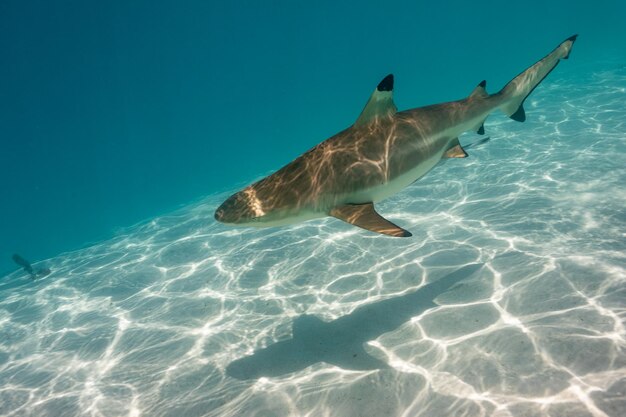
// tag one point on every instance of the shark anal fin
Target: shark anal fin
(380, 104)
(455, 150)
(520, 114)
(365, 217)
(481, 129)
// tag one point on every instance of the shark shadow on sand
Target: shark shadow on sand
(340, 342)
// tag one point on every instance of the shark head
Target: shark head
(262, 204)
(241, 208)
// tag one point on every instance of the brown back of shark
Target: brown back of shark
(382, 153)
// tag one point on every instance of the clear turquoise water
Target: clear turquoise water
(509, 299)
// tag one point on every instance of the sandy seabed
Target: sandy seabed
(509, 299)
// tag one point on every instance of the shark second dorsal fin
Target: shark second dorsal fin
(480, 91)
(380, 103)
(365, 217)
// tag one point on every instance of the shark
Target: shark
(382, 153)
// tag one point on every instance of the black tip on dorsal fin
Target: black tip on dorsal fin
(483, 83)
(386, 84)
(572, 38)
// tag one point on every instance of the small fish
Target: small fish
(41, 272)
(23, 263)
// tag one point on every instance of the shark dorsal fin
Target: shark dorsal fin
(380, 103)
(365, 217)
(480, 91)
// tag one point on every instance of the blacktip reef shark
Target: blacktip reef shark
(380, 154)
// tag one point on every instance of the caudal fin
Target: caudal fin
(515, 92)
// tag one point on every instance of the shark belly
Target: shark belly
(300, 216)
(369, 195)
(395, 185)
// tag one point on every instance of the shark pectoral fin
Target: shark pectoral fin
(364, 216)
(455, 150)
(380, 103)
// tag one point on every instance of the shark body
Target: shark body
(379, 155)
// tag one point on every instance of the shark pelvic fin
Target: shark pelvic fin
(380, 103)
(365, 217)
(455, 150)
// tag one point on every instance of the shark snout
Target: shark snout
(226, 213)
(235, 210)
(220, 215)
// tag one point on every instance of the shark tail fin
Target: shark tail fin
(515, 92)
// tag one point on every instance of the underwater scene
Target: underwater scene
(140, 280)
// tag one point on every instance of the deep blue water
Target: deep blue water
(114, 112)
(123, 126)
